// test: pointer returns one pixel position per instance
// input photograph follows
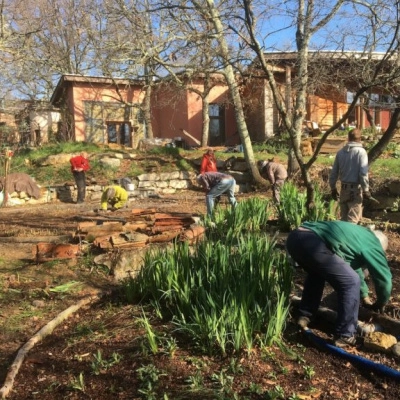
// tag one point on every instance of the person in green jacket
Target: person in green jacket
(115, 196)
(336, 252)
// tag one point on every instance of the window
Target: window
(119, 133)
(217, 124)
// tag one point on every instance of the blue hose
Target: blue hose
(368, 364)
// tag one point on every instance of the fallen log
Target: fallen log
(35, 239)
(130, 245)
(143, 211)
(52, 251)
(103, 242)
(166, 228)
(41, 334)
(164, 237)
(129, 237)
(96, 230)
(193, 234)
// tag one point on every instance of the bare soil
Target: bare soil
(125, 367)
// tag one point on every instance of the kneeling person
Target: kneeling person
(115, 196)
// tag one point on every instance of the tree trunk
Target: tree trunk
(147, 113)
(206, 121)
(235, 94)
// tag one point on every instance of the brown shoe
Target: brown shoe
(343, 341)
(303, 322)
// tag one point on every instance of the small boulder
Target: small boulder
(379, 341)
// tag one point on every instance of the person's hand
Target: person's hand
(366, 301)
(335, 194)
(367, 194)
(376, 307)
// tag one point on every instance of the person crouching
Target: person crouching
(115, 197)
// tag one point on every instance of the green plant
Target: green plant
(309, 371)
(78, 383)
(276, 393)
(224, 380)
(292, 210)
(195, 381)
(235, 366)
(99, 364)
(149, 376)
(171, 346)
(218, 298)
(255, 388)
(150, 335)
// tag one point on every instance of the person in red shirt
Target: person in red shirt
(208, 162)
(79, 166)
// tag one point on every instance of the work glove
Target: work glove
(335, 194)
(367, 194)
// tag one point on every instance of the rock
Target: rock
(379, 341)
(38, 303)
(396, 349)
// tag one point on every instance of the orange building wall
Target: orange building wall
(175, 109)
(82, 92)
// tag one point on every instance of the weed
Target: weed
(224, 380)
(150, 335)
(235, 367)
(255, 388)
(99, 364)
(195, 381)
(148, 376)
(276, 393)
(171, 346)
(309, 371)
(78, 383)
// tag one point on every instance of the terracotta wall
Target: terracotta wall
(175, 109)
(82, 92)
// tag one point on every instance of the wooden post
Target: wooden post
(7, 161)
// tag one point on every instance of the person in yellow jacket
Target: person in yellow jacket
(115, 196)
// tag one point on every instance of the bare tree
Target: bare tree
(360, 71)
(51, 38)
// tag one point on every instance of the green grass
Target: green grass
(164, 159)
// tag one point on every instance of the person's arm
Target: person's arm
(271, 175)
(85, 164)
(380, 274)
(122, 195)
(104, 200)
(203, 165)
(363, 174)
(364, 290)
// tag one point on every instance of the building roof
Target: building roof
(70, 79)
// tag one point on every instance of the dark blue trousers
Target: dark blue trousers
(322, 265)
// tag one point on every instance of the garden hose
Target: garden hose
(361, 361)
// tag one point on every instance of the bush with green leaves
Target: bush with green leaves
(250, 215)
(227, 293)
(292, 210)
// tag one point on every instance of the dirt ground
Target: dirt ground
(100, 351)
